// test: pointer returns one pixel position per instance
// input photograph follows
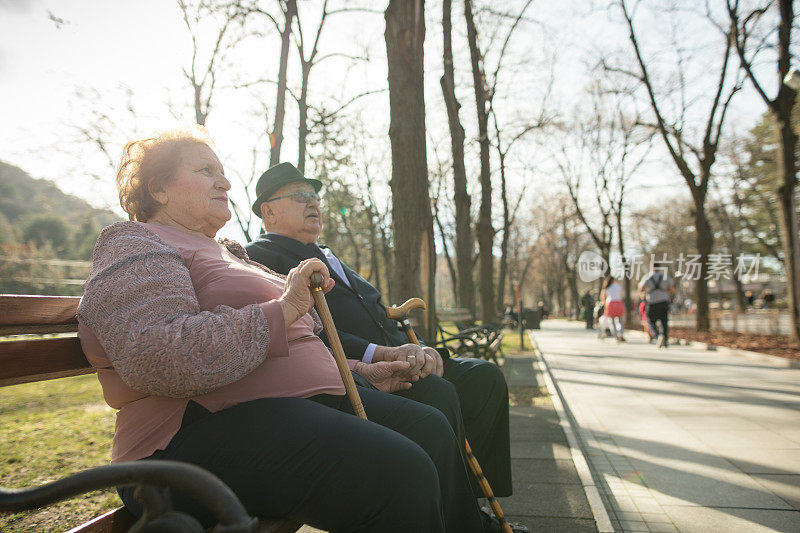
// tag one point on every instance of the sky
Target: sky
(62, 61)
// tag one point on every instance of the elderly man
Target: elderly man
(289, 205)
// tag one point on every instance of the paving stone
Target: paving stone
(551, 524)
(763, 460)
(662, 527)
(539, 450)
(523, 431)
(784, 486)
(546, 470)
(547, 499)
(733, 519)
(637, 526)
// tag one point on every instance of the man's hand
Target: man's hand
(433, 362)
(387, 376)
(410, 353)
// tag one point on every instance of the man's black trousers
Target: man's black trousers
(479, 389)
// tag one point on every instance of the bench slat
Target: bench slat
(40, 359)
(119, 520)
(40, 312)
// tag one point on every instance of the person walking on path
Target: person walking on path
(587, 302)
(615, 307)
(657, 289)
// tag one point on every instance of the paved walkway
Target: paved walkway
(548, 493)
(680, 439)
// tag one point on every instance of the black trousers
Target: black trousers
(658, 312)
(473, 395)
(314, 461)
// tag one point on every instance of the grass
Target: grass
(511, 342)
(49, 430)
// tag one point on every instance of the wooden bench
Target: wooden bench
(24, 360)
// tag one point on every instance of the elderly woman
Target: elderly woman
(211, 359)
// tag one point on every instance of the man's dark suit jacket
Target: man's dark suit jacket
(360, 300)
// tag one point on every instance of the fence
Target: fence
(769, 321)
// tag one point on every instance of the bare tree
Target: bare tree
(283, 26)
(675, 134)
(484, 229)
(485, 89)
(203, 78)
(414, 251)
(749, 46)
(464, 287)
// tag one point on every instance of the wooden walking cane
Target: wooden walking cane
(400, 313)
(336, 344)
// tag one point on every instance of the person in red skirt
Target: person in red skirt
(615, 307)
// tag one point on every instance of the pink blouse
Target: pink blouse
(169, 317)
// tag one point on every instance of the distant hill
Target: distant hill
(21, 196)
(46, 236)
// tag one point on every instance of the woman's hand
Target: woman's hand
(387, 376)
(296, 299)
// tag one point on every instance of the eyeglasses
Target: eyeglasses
(301, 197)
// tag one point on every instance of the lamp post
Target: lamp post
(518, 297)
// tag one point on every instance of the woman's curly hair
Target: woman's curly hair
(150, 163)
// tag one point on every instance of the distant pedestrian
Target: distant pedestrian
(768, 297)
(587, 302)
(657, 289)
(749, 298)
(615, 308)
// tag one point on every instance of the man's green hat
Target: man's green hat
(275, 178)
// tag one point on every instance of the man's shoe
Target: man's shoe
(621, 339)
(492, 525)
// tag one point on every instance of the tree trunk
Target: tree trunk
(484, 228)
(302, 128)
(414, 250)
(280, 98)
(451, 268)
(789, 223)
(501, 278)
(200, 116)
(704, 239)
(464, 244)
(787, 169)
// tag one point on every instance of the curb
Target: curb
(576, 447)
(774, 360)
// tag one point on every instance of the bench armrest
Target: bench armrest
(215, 495)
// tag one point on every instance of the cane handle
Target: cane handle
(398, 312)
